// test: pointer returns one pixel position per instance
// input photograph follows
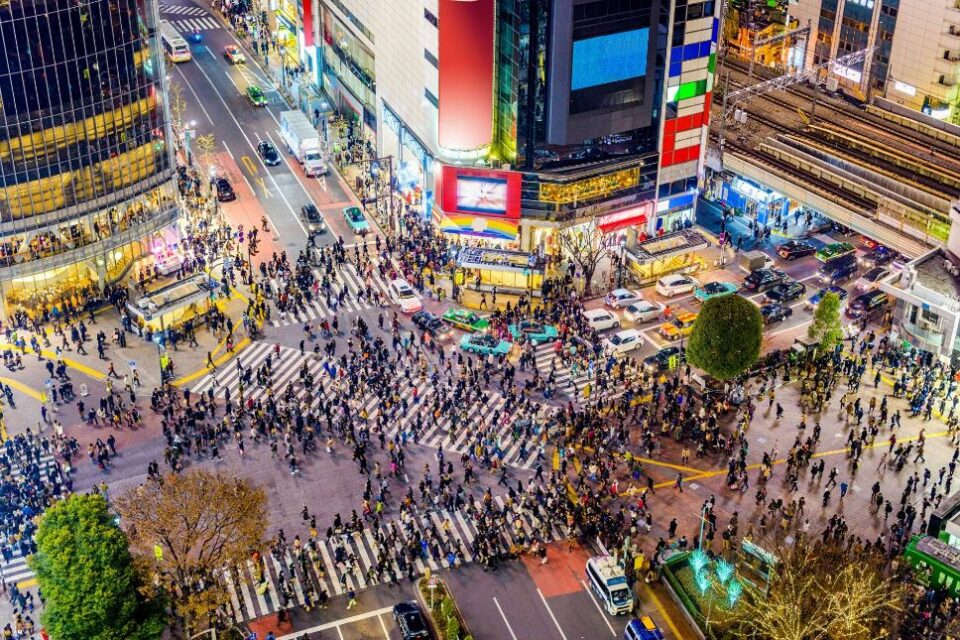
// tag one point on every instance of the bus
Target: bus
(174, 46)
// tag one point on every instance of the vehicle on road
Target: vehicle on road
(714, 290)
(838, 270)
(535, 332)
(643, 311)
(466, 320)
(357, 221)
(410, 621)
(868, 304)
(432, 324)
(835, 250)
(175, 48)
(609, 583)
(623, 342)
(869, 280)
(643, 629)
(786, 291)
(225, 192)
(484, 344)
(403, 295)
(313, 219)
(256, 96)
(869, 242)
(675, 284)
(878, 257)
(268, 153)
(620, 298)
(794, 249)
(601, 319)
(303, 142)
(233, 54)
(815, 299)
(763, 279)
(775, 312)
(678, 327)
(661, 360)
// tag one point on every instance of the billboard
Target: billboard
(609, 58)
(482, 192)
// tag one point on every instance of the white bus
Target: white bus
(174, 46)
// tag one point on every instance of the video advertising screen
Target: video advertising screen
(482, 195)
(609, 58)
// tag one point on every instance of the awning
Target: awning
(480, 226)
(498, 260)
(667, 246)
(631, 217)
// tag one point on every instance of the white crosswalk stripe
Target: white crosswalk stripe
(17, 570)
(255, 593)
(190, 25)
(546, 361)
(182, 10)
(319, 306)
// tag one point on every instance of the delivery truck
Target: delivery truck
(303, 142)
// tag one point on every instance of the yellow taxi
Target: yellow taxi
(679, 326)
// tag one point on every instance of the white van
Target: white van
(608, 581)
(403, 295)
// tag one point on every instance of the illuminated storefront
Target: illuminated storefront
(288, 26)
(498, 267)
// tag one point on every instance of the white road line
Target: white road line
(232, 157)
(505, 621)
(383, 625)
(336, 624)
(553, 617)
(199, 102)
(586, 588)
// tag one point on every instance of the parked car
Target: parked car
(484, 344)
(835, 250)
(601, 319)
(763, 279)
(678, 327)
(643, 311)
(714, 290)
(619, 298)
(466, 320)
(233, 54)
(268, 153)
(815, 299)
(869, 280)
(357, 221)
(867, 304)
(643, 629)
(660, 361)
(878, 257)
(225, 192)
(676, 284)
(793, 249)
(623, 342)
(410, 621)
(313, 219)
(256, 96)
(775, 312)
(403, 295)
(786, 291)
(535, 332)
(432, 324)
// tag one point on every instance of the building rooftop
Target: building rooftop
(937, 271)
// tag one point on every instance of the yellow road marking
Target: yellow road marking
(662, 610)
(27, 584)
(217, 361)
(19, 386)
(248, 163)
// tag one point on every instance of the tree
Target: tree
(726, 337)
(189, 527)
(826, 329)
(584, 245)
(84, 570)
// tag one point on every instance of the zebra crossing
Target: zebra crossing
(317, 307)
(182, 10)
(206, 23)
(16, 571)
(546, 360)
(255, 592)
(515, 440)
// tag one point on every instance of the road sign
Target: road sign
(48, 383)
(158, 552)
(673, 361)
(132, 364)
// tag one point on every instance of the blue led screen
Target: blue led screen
(609, 58)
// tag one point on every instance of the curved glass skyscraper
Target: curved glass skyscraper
(86, 168)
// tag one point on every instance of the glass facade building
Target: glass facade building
(86, 168)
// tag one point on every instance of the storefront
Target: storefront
(176, 303)
(504, 269)
(414, 163)
(764, 205)
(285, 33)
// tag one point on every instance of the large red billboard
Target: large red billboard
(465, 114)
(307, 23)
(482, 192)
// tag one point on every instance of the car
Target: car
(775, 312)
(533, 331)
(676, 284)
(466, 320)
(432, 324)
(410, 621)
(794, 249)
(233, 54)
(815, 299)
(643, 629)
(678, 327)
(225, 192)
(256, 96)
(867, 304)
(763, 279)
(268, 153)
(838, 269)
(601, 319)
(786, 291)
(403, 295)
(313, 219)
(834, 250)
(357, 221)
(623, 342)
(869, 280)
(878, 257)
(869, 243)
(714, 290)
(484, 344)
(643, 311)
(817, 225)
(620, 298)
(661, 360)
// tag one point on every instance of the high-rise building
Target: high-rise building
(87, 174)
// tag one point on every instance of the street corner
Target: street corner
(562, 573)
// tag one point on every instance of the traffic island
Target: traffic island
(705, 589)
(441, 611)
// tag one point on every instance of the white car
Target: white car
(623, 342)
(676, 284)
(643, 311)
(869, 280)
(619, 298)
(601, 319)
(404, 296)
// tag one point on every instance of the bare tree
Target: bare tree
(584, 245)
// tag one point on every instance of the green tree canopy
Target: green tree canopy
(86, 574)
(826, 329)
(726, 337)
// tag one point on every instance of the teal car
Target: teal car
(466, 320)
(256, 96)
(533, 331)
(714, 290)
(484, 344)
(357, 221)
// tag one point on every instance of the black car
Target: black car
(878, 257)
(786, 291)
(312, 217)
(410, 621)
(432, 324)
(660, 361)
(268, 153)
(225, 192)
(763, 279)
(793, 249)
(775, 312)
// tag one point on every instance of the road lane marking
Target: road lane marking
(242, 174)
(505, 621)
(663, 612)
(553, 617)
(336, 624)
(383, 625)
(248, 163)
(199, 102)
(586, 588)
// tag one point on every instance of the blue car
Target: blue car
(815, 299)
(484, 344)
(643, 629)
(357, 221)
(714, 290)
(533, 331)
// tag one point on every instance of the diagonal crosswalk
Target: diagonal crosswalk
(359, 560)
(320, 306)
(564, 377)
(485, 423)
(182, 10)
(189, 25)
